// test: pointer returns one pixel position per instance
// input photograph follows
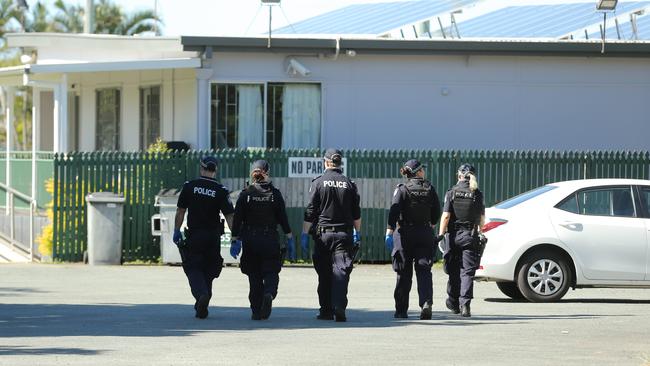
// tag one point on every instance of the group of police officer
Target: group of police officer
(333, 221)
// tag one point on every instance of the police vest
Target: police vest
(463, 202)
(418, 205)
(261, 206)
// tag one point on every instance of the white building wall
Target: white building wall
(477, 102)
(178, 104)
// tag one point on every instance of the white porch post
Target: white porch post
(36, 126)
(61, 115)
(203, 108)
(9, 127)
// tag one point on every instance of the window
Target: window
(293, 115)
(644, 193)
(73, 122)
(149, 116)
(524, 197)
(108, 119)
(569, 204)
(606, 202)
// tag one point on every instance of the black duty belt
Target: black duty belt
(414, 224)
(334, 229)
(465, 225)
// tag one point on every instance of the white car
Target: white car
(574, 234)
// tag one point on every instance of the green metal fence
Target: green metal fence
(140, 176)
(21, 175)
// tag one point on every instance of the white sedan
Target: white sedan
(574, 234)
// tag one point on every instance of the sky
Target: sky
(248, 17)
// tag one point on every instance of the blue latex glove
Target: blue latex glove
(235, 248)
(177, 236)
(389, 242)
(291, 248)
(304, 242)
(356, 238)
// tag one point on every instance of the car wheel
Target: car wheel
(544, 276)
(510, 289)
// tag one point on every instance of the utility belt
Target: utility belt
(414, 224)
(463, 226)
(261, 229)
(320, 229)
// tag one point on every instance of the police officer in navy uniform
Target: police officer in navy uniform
(334, 207)
(463, 217)
(416, 207)
(202, 199)
(259, 209)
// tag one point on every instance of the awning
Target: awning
(158, 64)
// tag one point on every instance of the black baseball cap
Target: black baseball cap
(331, 153)
(262, 165)
(466, 169)
(209, 163)
(414, 165)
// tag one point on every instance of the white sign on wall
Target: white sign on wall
(309, 167)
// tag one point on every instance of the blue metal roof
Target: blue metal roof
(539, 20)
(625, 29)
(373, 18)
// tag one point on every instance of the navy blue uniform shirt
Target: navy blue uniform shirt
(204, 198)
(334, 200)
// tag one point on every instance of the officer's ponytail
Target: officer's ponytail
(406, 172)
(258, 176)
(473, 182)
(337, 160)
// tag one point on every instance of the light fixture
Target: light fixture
(606, 5)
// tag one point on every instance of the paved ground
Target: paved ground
(81, 315)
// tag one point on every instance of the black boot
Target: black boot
(325, 315)
(201, 306)
(400, 315)
(425, 314)
(339, 314)
(452, 306)
(267, 305)
(465, 311)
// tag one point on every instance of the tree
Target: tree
(8, 13)
(110, 18)
(69, 18)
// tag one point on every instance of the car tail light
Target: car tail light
(493, 224)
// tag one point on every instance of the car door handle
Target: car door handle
(574, 226)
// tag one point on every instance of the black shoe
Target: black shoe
(453, 307)
(256, 316)
(339, 314)
(400, 315)
(465, 311)
(201, 306)
(425, 314)
(325, 315)
(267, 305)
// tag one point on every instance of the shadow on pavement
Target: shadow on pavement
(29, 351)
(584, 301)
(16, 291)
(162, 320)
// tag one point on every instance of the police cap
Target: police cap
(466, 169)
(333, 154)
(413, 165)
(209, 163)
(262, 165)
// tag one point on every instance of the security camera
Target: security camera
(296, 68)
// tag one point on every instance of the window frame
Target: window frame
(118, 127)
(635, 201)
(265, 88)
(644, 205)
(142, 136)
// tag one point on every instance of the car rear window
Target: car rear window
(514, 201)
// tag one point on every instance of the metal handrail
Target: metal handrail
(11, 207)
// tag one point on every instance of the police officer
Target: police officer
(202, 199)
(463, 217)
(259, 209)
(334, 207)
(416, 207)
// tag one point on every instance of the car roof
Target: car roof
(582, 183)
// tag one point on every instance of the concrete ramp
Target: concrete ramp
(9, 255)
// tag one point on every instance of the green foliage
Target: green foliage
(46, 239)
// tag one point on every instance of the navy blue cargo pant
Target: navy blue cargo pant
(261, 261)
(333, 263)
(413, 248)
(461, 264)
(202, 261)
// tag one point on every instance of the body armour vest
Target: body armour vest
(261, 205)
(464, 207)
(418, 207)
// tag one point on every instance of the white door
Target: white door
(602, 227)
(644, 193)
